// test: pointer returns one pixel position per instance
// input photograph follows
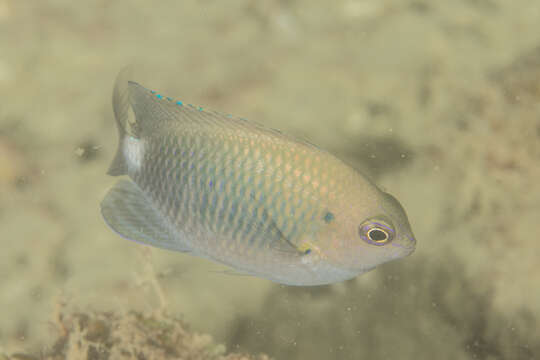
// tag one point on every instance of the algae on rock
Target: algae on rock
(134, 335)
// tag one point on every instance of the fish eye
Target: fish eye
(377, 231)
(377, 235)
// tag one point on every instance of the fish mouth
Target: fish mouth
(408, 244)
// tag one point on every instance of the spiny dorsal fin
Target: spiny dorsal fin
(152, 108)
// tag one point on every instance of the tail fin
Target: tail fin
(121, 108)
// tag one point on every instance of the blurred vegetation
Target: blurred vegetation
(359, 321)
(107, 335)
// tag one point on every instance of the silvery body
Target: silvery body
(250, 197)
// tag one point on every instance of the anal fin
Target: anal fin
(127, 211)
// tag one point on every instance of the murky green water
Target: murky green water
(438, 101)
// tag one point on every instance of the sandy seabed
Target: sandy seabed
(439, 101)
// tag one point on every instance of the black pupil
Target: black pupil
(377, 235)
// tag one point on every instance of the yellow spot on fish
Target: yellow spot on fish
(312, 253)
(305, 247)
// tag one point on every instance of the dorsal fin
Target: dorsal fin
(152, 108)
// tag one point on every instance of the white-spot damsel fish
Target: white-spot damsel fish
(258, 200)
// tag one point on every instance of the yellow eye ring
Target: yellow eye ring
(377, 231)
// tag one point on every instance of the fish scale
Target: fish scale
(251, 197)
(199, 209)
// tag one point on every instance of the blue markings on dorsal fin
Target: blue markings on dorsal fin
(198, 108)
(161, 97)
(139, 90)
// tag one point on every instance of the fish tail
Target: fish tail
(122, 109)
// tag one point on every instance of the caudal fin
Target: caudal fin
(122, 114)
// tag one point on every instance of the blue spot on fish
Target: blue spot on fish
(179, 103)
(159, 96)
(200, 108)
(328, 217)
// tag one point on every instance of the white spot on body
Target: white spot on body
(259, 166)
(134, 153)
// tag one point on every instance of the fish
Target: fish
(258, 200)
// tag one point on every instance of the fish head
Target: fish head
(371, 230)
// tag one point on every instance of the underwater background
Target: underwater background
(437, 101)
